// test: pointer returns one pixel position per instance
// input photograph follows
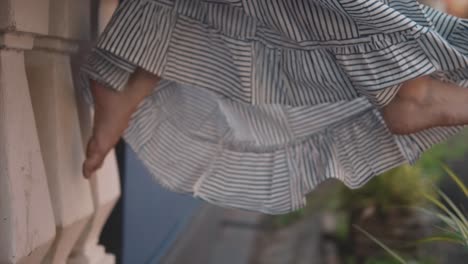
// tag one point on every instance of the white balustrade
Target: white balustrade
(27, 226)
(48, 212)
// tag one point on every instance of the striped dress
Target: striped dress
(262, 100)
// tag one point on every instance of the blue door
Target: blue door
(148, 219)
(152, 217)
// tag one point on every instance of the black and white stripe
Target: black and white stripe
(262, 100)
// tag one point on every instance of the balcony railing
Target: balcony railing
(48, 212)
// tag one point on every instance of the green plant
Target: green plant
(389, 251)
(454, 218)
(404, 186)
(400, 186)
(390, 260)
(453, 149)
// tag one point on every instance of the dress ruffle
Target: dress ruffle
(253, 113)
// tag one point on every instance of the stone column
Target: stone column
(27, 226)
(52, 91)
(46, 206)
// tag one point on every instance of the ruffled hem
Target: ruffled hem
(245, 117)
(201, 151)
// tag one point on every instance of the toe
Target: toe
(87, 172)
(94, 158)
(92, 164)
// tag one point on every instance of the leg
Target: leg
(112, 114)
(424, 103)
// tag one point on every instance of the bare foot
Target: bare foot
(423, 103)
(112, 114)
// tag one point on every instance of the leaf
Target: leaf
(389, 251)
(441, 238)
(442, 217)
(452, 217)
(456, 179)
(461, 217)
(449, 231)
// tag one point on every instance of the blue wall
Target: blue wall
(152, 216)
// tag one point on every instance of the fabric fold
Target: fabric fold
(249, 171)
(255, 109)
